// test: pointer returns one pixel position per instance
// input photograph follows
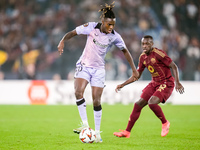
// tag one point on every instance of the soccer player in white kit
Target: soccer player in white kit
(90, 68)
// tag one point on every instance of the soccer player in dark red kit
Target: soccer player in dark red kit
(158, 90)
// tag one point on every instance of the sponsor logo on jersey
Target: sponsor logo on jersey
(152, 71)
(150, 68)
(99, 44)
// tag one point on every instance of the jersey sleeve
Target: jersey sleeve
(86, 28)
(119, 42)
(141, 65)
(163, 57)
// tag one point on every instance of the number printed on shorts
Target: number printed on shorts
(162, 87)
(79, 69)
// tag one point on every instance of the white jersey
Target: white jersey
(97, 45)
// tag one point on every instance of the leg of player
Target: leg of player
(80, 85)
(96, 96)
(153, 104)
(133, 118)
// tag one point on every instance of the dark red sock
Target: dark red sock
(133, 117)
(158, 112)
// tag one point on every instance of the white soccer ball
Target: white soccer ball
(87, 135)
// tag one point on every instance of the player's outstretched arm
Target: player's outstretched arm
(128, 81)
(66, 37)
(131, 62)
(178, 86)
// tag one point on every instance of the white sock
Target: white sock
(97, 119)
(82, 110)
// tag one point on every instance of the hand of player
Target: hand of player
(133, 78)
(179, 88)
(61, 46)
(118, 88)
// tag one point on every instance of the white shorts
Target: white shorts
(96, 77)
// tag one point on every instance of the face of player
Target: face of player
(147, 44)
(108, 25)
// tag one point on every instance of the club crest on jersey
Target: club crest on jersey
(153, 60)
(86, 24)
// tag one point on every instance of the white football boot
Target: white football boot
(98, 137)
(78, 130)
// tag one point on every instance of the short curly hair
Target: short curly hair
(148, 36)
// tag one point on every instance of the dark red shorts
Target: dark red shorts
(162, 91)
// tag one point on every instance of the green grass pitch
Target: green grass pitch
(29, 127)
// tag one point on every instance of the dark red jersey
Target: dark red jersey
(157, 62)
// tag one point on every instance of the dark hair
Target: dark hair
(107, 11)
(148, 36)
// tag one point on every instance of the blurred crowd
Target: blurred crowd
(30, 32)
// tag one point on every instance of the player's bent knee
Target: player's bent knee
(78, 94)
(142, 102)
(154, 100)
